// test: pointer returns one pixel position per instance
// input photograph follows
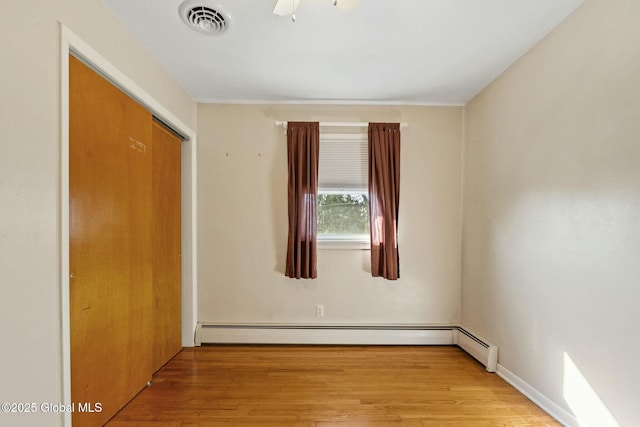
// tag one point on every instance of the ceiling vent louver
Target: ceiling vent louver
(203, 19)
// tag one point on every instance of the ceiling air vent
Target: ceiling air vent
(202, 18)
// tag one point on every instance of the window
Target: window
(343, 199)
(343, 215)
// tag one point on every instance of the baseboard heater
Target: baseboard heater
(481, 349)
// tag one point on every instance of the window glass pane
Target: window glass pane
(343, 214)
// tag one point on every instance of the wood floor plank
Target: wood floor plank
(322, 386)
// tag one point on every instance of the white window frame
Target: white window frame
(343, 241)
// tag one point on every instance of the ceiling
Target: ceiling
(431, 52)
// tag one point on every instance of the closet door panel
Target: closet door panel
(167, 319)
(110, 244)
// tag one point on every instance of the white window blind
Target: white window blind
(343, 163)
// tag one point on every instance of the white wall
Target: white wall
(551, 230)
(242, 187)
(29, 181)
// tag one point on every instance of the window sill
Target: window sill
(343, 244)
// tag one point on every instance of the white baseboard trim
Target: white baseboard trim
(323, 334)
(546, 404)
(361, 334)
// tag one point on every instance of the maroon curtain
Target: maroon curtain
(302, 154)
(384, 198)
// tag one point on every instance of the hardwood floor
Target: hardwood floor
(323, 386)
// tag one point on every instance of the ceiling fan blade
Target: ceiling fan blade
(285, 7)
(348, 5)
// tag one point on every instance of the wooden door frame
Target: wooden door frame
(72, 44)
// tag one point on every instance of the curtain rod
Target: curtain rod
(403, 125)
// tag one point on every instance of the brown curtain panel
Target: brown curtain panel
(384, 198)
(303, 145)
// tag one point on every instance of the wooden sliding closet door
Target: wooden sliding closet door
(166, 246)
(110, 150)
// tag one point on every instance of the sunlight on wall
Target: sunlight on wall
(582, 398)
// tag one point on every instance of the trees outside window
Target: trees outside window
(343, 215)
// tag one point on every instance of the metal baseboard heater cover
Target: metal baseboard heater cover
(476, 346)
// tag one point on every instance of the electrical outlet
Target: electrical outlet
(319, 310)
